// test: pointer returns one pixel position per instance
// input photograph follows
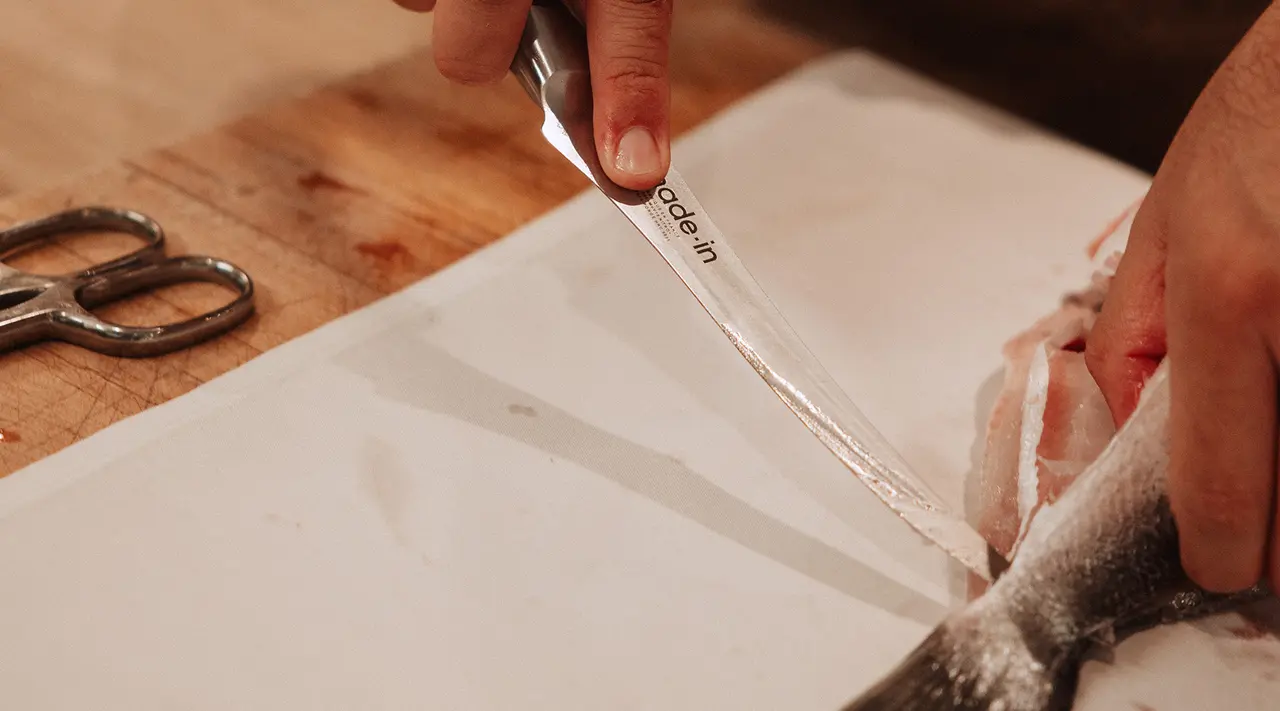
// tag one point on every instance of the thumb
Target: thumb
(628, 46)
(1129, 341)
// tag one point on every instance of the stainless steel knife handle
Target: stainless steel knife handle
(554, 42)
(552, 65)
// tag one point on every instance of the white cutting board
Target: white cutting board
(542, 479)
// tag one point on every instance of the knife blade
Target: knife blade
(552, 66)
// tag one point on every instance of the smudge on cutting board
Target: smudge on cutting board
(388, 484)
(1254, 656)
(408, 371)
(522, 410)
(1260, 621)
(279, 520)
(1253, 640)
(1251, 630)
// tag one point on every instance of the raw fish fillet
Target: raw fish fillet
(1050, 420)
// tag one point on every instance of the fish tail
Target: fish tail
(921, 682)
(987, 671)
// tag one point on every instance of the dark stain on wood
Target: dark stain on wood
(384, 251)
(365, 99)
(319, 180)
(475, 136)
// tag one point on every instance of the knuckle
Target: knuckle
(1243, 287)
(643, 10)
(637, 29)
(636, 38)
(634, 71)
(469, 71)
(1230, 269)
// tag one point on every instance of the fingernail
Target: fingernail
(637, 153)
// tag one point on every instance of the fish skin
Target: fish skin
(1101, 560)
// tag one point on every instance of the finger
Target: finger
(1128, 340)
(417, 5)
(628, 46)
(475, 40)
(1223, 416)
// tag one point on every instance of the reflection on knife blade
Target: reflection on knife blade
(552, 66)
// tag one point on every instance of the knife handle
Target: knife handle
(553, 42)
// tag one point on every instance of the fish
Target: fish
(1082, 516)
(1099, 563)
(1048, 422)
(1050, 419)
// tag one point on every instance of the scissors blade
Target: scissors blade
(677, 225)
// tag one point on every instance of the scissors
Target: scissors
(35, 307)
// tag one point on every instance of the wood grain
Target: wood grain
(87, 82)
(330, 202)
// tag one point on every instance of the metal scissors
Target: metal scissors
(35, 307)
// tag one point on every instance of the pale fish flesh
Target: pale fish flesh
(1049, 420)
(1096, 559)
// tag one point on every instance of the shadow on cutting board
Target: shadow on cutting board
(1116, 75)
(428, 378)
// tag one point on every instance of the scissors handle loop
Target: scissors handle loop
(86, 330)
(60, 307)
(31, 235)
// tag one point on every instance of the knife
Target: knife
(552, 66)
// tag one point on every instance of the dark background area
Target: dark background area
(1116, 75)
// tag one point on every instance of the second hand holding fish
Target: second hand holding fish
(1200, 281)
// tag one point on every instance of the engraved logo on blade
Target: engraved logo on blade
(669, 212)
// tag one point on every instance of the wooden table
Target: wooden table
(87, 82)
(331, 201)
